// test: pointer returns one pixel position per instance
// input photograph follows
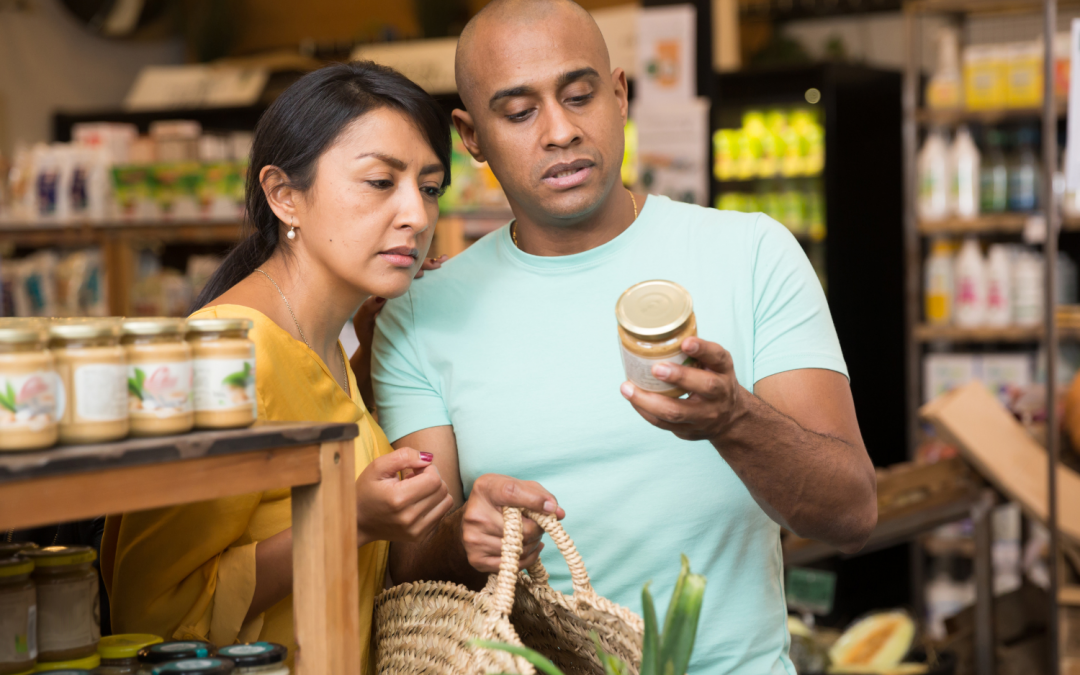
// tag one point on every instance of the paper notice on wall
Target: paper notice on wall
(673, 147)
(666, 53)
(1072, 151)
(196, 86)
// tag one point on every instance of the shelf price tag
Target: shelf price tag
(810, 591)
(1072, 151)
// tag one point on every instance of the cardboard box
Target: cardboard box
(999, 448)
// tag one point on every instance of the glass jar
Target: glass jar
(157, 654)
(70, 666)
(257, 658)
(28, 386)
(120, 653)
(13, 548)
(206, 666)
(224, 365)
(18, 607)
(93, 370)
(158, 377)
(68, 615)
(654, 318)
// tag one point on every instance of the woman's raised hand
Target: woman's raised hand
(394, 508)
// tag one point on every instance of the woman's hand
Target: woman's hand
(390, 508)
(364, 325)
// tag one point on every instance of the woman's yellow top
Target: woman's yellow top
(188, 572)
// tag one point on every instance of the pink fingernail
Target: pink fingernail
(690, 345)
(627, 390)
(662, 371)
(426, 457)
(549, 506)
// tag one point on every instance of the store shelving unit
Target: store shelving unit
(315, 460)
(918, 335)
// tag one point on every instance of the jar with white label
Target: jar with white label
(68, 614)
(224, 365)
(654, 318)
(30, 400)
(93, 370)
(156, 655)
(158, 377)
(257, 658)
(18, 616)
(209, 666)
(120, 653)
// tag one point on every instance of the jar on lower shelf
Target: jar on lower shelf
(257, 658)
(18, 608)
(158, 377)
(69, 667)
(29, 398)
(224, 365)
(120, 653)
(93, 369)
(157, 655)
(207, 666)
(68, 613)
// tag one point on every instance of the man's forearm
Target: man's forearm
(818, 486)
(441, 557)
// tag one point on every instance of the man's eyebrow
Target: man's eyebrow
(392, 161)
(525, 90)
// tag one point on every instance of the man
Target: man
(506, 365)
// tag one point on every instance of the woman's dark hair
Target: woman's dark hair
(302, 124)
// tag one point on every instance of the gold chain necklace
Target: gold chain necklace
(513, 225)
(344, 370)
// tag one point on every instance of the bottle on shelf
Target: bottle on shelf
(938, 285)
(1028, 288)
(970, 280)
(944, 91)
(999, 286)
(934, 179)
(1024, 173)
(964, 167)
(993, 176)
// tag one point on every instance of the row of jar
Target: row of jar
(50, 622)
(99, 380)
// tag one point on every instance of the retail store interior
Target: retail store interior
(919, 151)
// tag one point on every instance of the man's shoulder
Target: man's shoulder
(703, 220)
(457, 275)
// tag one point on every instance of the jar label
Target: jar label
(68, 614)
(159, 389)
(31, 400)
(224, 384)
(18, 626)
(639, 369)
(100, 392)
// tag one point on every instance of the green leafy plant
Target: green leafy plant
(662, 653)
(239, 379)
(7, 399)
(135, 384)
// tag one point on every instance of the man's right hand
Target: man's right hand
(482, 521)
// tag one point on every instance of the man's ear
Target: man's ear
(463, 121)
(281, 197)
(618, 78)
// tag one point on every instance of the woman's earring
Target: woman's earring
(291, 234)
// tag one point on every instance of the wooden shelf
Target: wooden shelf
(1015, 334)
(315, 460)
(927, 117)
(61, 234)
(980, 6)
(998, 223)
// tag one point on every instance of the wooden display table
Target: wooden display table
(315, 460)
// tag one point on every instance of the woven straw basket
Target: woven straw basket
(426, 627)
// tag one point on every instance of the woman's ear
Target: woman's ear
(281, 197)
(465, 128)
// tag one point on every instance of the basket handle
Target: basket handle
(503, 593)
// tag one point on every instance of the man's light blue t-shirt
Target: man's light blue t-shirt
(520, 354)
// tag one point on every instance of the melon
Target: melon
(874, 644)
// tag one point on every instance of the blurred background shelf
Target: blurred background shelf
(998, 223)
(929, 117)
(1014, 334)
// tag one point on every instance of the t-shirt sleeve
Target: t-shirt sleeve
(406, 395)
(793, 328)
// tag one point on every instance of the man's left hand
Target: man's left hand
(714, 398)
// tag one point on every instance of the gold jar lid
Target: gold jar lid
(157, 325)
(23, 331)
(82, 329)
(218, 325)
(654, 308)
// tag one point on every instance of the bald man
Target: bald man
(506, 364)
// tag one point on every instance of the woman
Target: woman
(346, 170)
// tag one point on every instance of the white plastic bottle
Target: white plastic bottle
(938, 285)
(964, 167)
(934, 177)
(1028, 289)
(999, 286)
(970, 278)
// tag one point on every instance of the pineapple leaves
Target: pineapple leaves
(650, 647)
(533, 657)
